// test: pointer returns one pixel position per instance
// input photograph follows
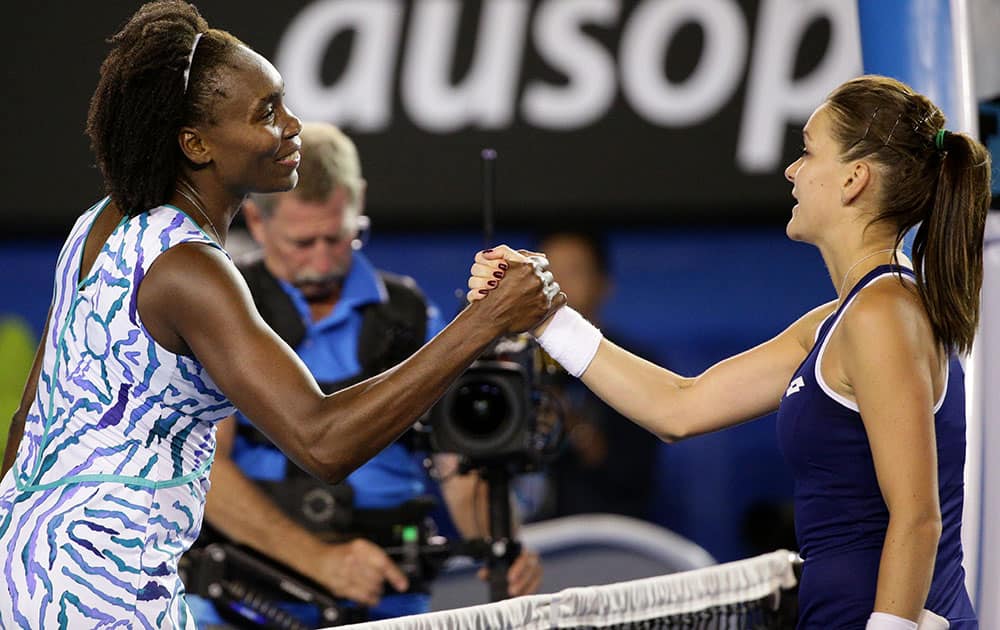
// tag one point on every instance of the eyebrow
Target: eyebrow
(273, 97)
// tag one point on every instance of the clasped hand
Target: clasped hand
(491, 265)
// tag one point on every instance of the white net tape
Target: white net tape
(632, 602)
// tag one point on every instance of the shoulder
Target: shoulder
(806, 327)
(885, 316)
(197, 270)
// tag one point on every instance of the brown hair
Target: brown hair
(934, 178)
(140, 102)
(329, 161)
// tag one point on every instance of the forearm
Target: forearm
(14, 436)
(356, 423)
(638, 389)
(468, 500)
(240, 510)
(907, 566)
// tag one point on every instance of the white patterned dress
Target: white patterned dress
(109, 483)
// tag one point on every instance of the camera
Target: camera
(496, 410)
(487, 413)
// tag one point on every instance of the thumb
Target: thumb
(497, 253)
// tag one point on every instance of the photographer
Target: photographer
(345, 320)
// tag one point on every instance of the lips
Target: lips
(291, 159)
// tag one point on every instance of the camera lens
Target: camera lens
(482, 407)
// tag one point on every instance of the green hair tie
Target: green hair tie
(939, 139)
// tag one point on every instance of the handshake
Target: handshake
(562, 332)
(492, 264)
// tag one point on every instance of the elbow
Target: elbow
(326, 466)
(668, 436)
(925, 525)
(314, 455)
(670, 428)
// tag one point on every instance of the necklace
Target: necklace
(192, 198)
(843, 284)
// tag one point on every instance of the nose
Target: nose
(791, 170)
(321, 257)
(293, 126)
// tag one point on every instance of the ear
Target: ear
(857, 180)
(193, 146)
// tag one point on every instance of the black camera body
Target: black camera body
(488, 413)
(498, 411)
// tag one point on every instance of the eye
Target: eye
(805, 151)
(269, 112)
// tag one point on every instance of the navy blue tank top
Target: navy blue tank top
(840, 516)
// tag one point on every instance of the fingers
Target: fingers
(523, 577)
(500, 252)
(360, 570)
(527, 253)
(379, 565)
(525, 574)
(394, 576)
(484, 276)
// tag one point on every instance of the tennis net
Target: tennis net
(753, 594)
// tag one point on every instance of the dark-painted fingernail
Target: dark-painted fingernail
(492, 283)
(498, 274)
(487, 251)
(484, 291)
(503, 266)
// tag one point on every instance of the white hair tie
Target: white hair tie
(187, 69)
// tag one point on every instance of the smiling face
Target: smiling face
(817, 177)
(252, 141)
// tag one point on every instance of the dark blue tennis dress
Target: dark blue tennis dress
(840, 516)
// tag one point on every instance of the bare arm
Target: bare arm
(732, 391)
(213, 316)
(27, 399)
(890, 360)
(240, 510)
(466, 496)
(671, 406)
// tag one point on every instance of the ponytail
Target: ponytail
(948, 248)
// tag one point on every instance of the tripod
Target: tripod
(503, 549)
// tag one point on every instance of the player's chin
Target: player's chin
(278, 183)
(793, 232)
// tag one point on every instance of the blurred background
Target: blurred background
(663, 126)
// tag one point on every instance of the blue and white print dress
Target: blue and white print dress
(108, 487)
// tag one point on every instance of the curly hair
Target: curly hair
(140, 102)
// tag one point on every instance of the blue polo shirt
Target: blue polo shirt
(330, 351)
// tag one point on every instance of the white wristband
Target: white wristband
(571, 340)
(885, 621)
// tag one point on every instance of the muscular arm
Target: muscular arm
(27, 399)
(737, 389)
(890, 360)
(194, 298)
